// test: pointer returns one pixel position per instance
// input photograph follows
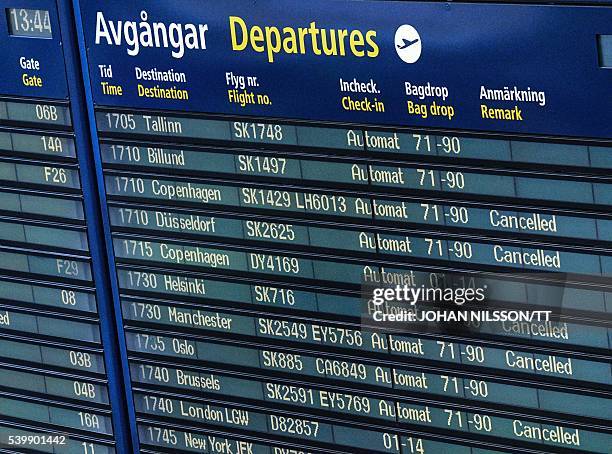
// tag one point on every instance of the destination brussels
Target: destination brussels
(271, 40)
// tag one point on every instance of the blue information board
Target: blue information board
(209, 212)
(487, 67)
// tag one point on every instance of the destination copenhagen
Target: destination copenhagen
(193, 255)
(187, 191)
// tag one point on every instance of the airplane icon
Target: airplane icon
(407, 43)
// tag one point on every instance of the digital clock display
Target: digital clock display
(32, 23)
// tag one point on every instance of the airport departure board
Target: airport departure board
(324, 226)
(265, 162)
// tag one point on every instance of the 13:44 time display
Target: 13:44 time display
(32, 23)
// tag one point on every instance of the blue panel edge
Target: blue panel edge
(98, 226)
